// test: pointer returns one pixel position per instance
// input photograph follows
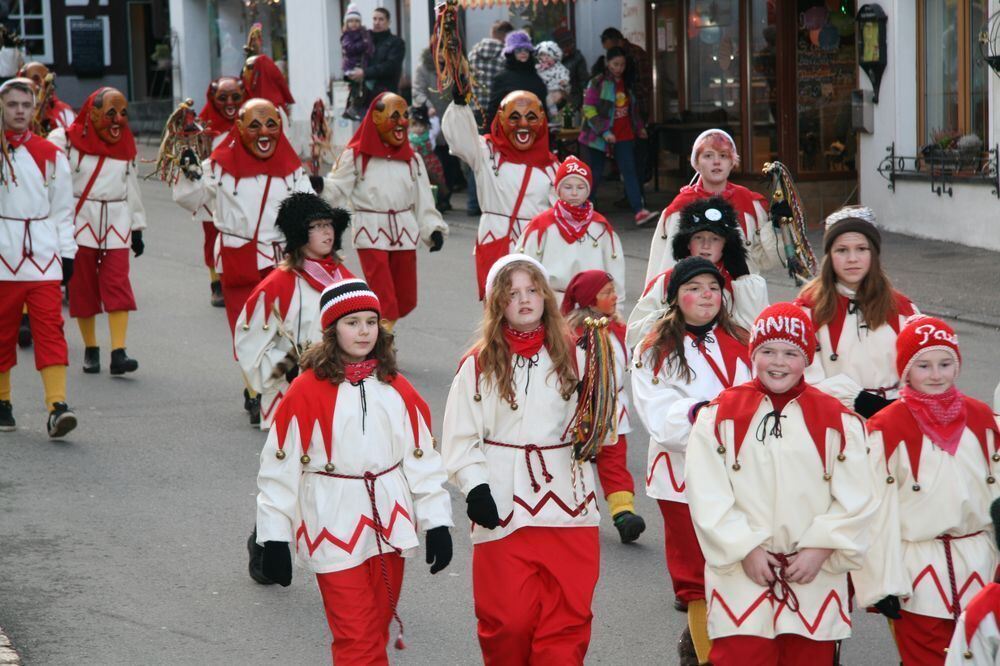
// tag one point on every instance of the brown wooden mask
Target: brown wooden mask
(227, 96)
(259, 125)
(522, 118)
(109, 115)
(391, 116)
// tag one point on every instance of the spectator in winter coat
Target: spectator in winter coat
(518, 72)
(386, 64)
(573, 61)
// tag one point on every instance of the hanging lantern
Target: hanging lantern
(871, 20)
(989, 42)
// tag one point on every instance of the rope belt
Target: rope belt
(781, 590)
(946, 539)
(394, 232)
(528, 450)
(103, 224)
(27, 245)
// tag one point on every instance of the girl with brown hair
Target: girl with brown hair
(857, 315)
(507, 445)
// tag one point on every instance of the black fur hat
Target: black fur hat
(299, 209)
(715, 215)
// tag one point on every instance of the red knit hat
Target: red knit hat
(784, 322)
(920, 334)
(346, 297)
(574, 166)
(582, 290)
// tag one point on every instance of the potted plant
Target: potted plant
(941, 154)
(970, 151)
(161, 56)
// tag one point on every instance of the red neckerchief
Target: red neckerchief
(83, 136)
(524, 344)
(732, 352)
(538, 156)
(269, 83)
(41, 151)
(904, 309)
(215, 122)
(941, 417)
(572, 221)
(239, 162)
(367, 143)
(54, 112)
(740, 198)
(541, 223)
(360, 371)
(321, 273)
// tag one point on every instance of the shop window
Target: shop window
(763, 85)
(713, 64)
(32, 19)
(826, 68)
(952, 78)
(541, 19)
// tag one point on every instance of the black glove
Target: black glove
(317, 184)
(438, 548)
(736, 265)
(437, 241)
(292, 373)
(138, 247)
(869, 404)
(778, 211)
(189, 164)
(67, 268)
(889, 607)
(277, 564)
(482, 510)
(457, 97)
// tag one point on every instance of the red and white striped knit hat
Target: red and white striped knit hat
(784, 322)
(922, 334)
(574, 166)
(346, 297)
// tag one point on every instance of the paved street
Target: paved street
(124, 544)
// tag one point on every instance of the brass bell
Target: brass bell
(513, 406)
(827, 476)
(841, 457)
(305, 459)
(329, 467)
(477, 397)
(721, 450)
(567, 396)
(614, 255)
(434, 442)
(246, 327)
(538, 252)
(279, 454)
(266, 327)
(418, 453)
(638, 364)
(916, 487)
(595, 243)
(967, 654)
(736, 466)
(656, 380)
(996, 457)
(890, 480)
(991, 479)
(834, 357)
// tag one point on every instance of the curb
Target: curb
(8, 655)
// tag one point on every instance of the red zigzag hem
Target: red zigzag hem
(348, 546)
(662, 455)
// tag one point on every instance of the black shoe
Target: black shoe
(629, 526)
(254, 410)
(680, 605)
(256, 566)
(217, 301)
(473, 212)
(24, 332)
(246, 400)
(61, 420)
(7, 423)
(92, 360)
(121, 363)
(686, 654)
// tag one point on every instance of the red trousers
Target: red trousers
(359, 611)
(393, 278)
(784, 650)
(533, 591)
(685, 561)
(208, 247)
(922, 639)
(236, 297)
(44, 300)
(612, 469)
(100, 283)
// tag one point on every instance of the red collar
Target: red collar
(525, 344)
(779, 400)
(41, 151)
(269, 83)
(83, 137)
(741, 199)
(367, 143)
(239, 163)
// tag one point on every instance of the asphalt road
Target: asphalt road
(124, 544)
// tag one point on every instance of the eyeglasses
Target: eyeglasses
(320, 226)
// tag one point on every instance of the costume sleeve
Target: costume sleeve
(59, 138)
(428, 217)
(462, 134)
(724, 532)
(339, 183)
(134, 196)
(302, 182)
(462, 432)
(426, 476)
(661, 256)
(749, 299)
(193, 194)
(614, 259)
(663, 407)
(882, 572)
(647, 311)
(61, 206)
(260, 346)
(278, 486)
(846, 526)
(765, 250)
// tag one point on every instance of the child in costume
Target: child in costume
(937, 450)
(349, 475)
(555, 75)
(782, 497)
(593, 294)
(109, 219)
(506, 446)
(713, 157)
(571, 236)
(693, 353)
(976, 640)
(856, 314)
(706, 228)
(356, 49)
(280, 319)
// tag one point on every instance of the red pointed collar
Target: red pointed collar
(239, 163)
(83, 136)
(41, 151)
(367, 143)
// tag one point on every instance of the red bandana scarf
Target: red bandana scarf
(573, 221)
(83, 137)
(367, 143)
(41, 151)
(941, 417)
(525, 344)
(239, 162)
(360, 371)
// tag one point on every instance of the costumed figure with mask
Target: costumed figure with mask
(54, 112)
(513, 168)
(244, 181)
(36, 254)
(109, 219)
(262, 79)
(384, 182)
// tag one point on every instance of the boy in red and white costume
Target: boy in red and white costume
(506, 446)
(783, 498)
(713, 157)
(513, 168)
(706, 228)
(572, 237)
(36, 254)
(385, 183)
(57, 112)
(109, 218)
(938, 452)
(349, 475)
(593, 294)
(976, 640)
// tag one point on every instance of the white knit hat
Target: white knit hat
(507, 261)
(705, 134)
(352, 13)
(550, 49)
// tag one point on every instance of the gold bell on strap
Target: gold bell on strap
(305, 459)
(329, 467)
(418, 453)
(279, 454)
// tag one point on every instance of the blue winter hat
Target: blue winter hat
(516, 40)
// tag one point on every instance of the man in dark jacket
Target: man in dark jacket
(573, 60)
(386, 64)
(518, 73)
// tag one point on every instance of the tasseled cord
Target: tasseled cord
(595, 420)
